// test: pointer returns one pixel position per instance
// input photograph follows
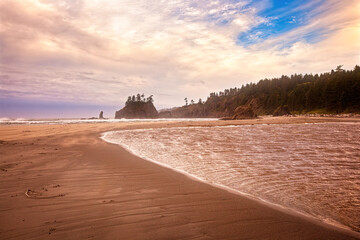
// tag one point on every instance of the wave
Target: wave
(310, 169)
(74, 121)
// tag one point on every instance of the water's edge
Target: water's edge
(322, 222)
(7, 121)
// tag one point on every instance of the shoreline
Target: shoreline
(99, 127)
(322, 222)
(101, 191)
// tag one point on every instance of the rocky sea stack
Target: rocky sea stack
(101, 115)
(138, 107)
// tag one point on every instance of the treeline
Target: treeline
(139, 98)
(337, 91)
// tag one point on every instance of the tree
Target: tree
(186, 101)
(143, 97)
(200, 101)
(133, 98)
(138, 97)
(339, 68)
(150, 99)
(333, 92)
(128, 100)
(192, 102)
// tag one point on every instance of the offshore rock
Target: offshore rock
(101, 115)
(134, 110)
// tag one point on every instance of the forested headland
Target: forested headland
(333, 92)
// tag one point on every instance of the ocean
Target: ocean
(311, 169)
(7, 121)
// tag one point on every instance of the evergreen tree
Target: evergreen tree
(128, 100)
(333, 92)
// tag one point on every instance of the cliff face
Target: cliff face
(137, 110)
(215, 109)
(282, 110)
(244, 112)
(190, 111)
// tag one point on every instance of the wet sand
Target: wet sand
(64, 182)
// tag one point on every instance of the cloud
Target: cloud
(101, 51)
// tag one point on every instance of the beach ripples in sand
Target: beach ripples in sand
(311, 168)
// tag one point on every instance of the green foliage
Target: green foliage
(139, 98)
(334, 92)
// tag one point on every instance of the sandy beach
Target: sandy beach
(64, 182)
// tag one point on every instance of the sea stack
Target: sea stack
(101, 115)
(138, 108)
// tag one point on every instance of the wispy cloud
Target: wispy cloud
(100, 51)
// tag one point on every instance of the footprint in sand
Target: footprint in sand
(46, 192)
(51, 230)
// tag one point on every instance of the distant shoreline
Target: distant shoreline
(110, 120)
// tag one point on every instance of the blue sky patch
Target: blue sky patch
(283, 17)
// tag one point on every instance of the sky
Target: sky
(74, 58)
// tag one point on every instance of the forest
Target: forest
(333, 92)
(139, 98)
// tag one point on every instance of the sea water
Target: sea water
(7, 121)
(313, 169)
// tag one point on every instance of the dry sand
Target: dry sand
(63, 182)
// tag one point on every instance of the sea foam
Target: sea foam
(313, 169)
